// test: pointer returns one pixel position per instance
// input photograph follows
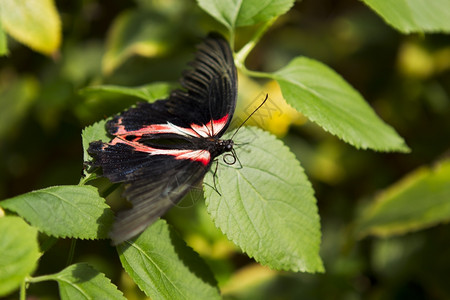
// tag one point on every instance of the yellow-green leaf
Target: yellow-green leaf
(414, 15)
(3, 41)
(19, 252)
(325, 98)
(35, 23)
(420, 200)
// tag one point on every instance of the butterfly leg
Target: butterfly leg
(237, 158)
(214, 177)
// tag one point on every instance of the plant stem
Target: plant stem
(87, 178)
(71, 252)
(252, 73)
(40, 278)
(243, 53)
(23, 290)
(232, 39)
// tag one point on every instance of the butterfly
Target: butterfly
(161, 150)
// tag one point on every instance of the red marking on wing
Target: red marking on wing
(220, 124)
(211, 128)
(208, 130)
(156, 129)
(202, 156)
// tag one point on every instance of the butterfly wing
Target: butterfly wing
(158, 175)
(155, 182)
(205, 105)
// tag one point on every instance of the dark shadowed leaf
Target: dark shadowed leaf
(150, 92)
(81, 281)
(136, 32)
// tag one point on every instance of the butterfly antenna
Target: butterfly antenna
(249, 116)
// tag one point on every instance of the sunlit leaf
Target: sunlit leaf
(414, 15)
(418, 201)
(150, 92)
(234, 14)
(64, 211)
(19, 252)
(326, 98)
(35, 23)
(81, 281)
(164, 267)
(267, 205)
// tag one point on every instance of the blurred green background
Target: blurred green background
(405, 78)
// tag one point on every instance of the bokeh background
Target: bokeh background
(405, 78)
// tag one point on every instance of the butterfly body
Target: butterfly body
(161, 150)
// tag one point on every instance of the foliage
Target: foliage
(19, 250)
(409, 16)
(34, 23)
(268, 210)
(75, 211)
(403, 208)
(325, 98)
(264, 204)
(165, 268)
(81, 281)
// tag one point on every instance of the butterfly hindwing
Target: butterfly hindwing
(151, 197)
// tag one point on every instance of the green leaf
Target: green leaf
(150, 92)
(92, 133)
(64, 211)
(418, 201)
(3, 41)
(267, 205)
(325, 98)
(19, 252)
(165, 268)
(33, 23)
(81, 281)
(414, 15)
(136, 32)
(234, 13)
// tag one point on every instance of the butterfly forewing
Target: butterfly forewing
(210, 92)
(161, 150)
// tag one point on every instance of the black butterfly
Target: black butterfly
(162, 149)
